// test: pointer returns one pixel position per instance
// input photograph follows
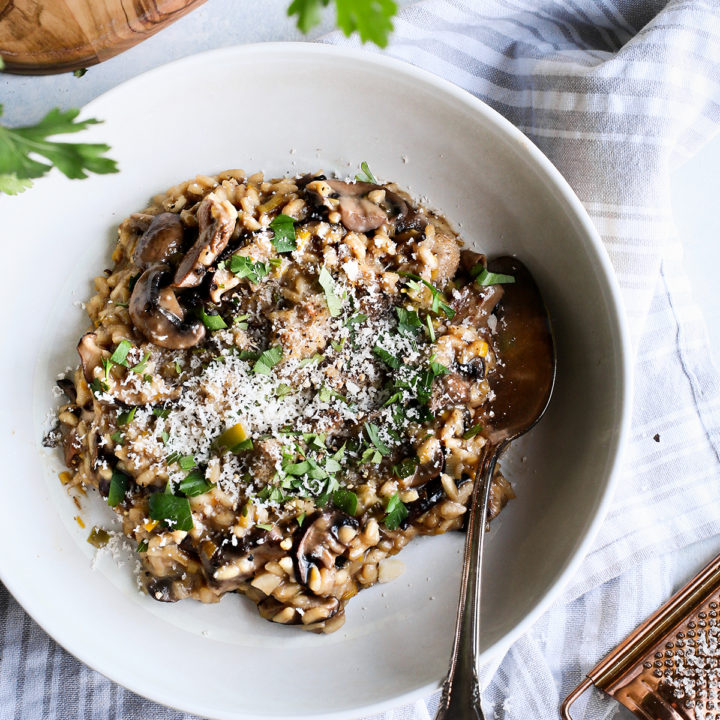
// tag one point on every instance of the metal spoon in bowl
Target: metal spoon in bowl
(522, 385)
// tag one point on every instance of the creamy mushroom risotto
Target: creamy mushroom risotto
(285, 382)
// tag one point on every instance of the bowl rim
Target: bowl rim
(565, 195)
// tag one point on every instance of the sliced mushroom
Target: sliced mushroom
(157, 314)
(216, 219)
(162, 239)
(449, 391)
(91, 354)
(68, 387)
(319, 544)
(475, 305)
(358, 213)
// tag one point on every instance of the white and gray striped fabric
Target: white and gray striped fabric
(615, 92)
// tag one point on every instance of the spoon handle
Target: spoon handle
(460, 698)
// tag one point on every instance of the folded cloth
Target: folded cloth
(614, 92)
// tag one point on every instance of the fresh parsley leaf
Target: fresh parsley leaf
(171, 510)
(438, 368)
(126, 418)
(356, 318)
(338, 346)
(484, 277)
(264, 526)
(371, 19)
(408, 321)
(140, 367)
(373, 433)
(212, 322)
(195, 484)
(11, 184)
(267, 360)
(186, 462)
(334, 301)
(395, 512)
(79, 72)
(243, 445)
(316, 358)
(283, 227)
(165, 437)
(388, 358)
(119, 356)
(300, 519)
(371, 455)
(406, 467)
(473, 431)
(244, 267)
(430, 328)
(282, 390)
(366, 174)
(161, 412)
(325, 394)
(117, 438)
(240, 321)
(346, 500)
(439, 301)
(21, 147)
(119, 483)
(142, 546)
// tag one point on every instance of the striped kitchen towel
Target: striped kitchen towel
(614, 92)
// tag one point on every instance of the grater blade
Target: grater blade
(669, 667)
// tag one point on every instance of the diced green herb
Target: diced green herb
(395, 512)
(408, 321)
(300, 519)
(366, 175)
(142, 546)
(373, 433)
(325, 394)
(439, 301)
(267, 360)
(396, 397)
(161, 412)
(164, 437)
(430, 328)
(283, 227)
(79, 72)
(484, 277)
(171, 510)
(118, 438)
(119, 483)
(178, 369)
(338, 346)
(186, 462)
(264, 526)
(98, 386)
(107, 367)
(282, 390)
(473, 431)
(248, 355)
(98, 537)
(126, 417)
(406, 468)
(119, 356)
(438, 368)
(243, 445)
(316, 358)
(244, 267)
(334, 301)
(346, 500)
(389, 359)
(195, 484)
(240, 321)
(371, 455)
(172, 458)
(212, 322)
(140, 367)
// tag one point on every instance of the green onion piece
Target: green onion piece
(408, 321)
(195, 484)
(346, 500)
(268, 360)
(126, 417)
(366, 174)
(119, 357)
(395, 512)
(119, 483)
(142, 546)
(171, 510)
(430, 328)
(484, 277)
(473, 431)
(334, 301)
(98, 537)
(212, 322)
(283, 227)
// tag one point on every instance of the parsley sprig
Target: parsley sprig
(21, 147)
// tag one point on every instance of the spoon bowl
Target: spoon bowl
(522, 383)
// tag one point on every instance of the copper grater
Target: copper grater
(669, 667)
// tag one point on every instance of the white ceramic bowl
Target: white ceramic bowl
(287, 108)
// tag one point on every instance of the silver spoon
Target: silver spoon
(522, 386)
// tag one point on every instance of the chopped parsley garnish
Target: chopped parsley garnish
(140, 367)
(186, 462)
(264, 526)
(430, 328)
(283, 227)
(366, 174)
(212, 322)
(119, 484)
(117, 437)
(300, 519)
(126, 418)
(338, 346)
(282, 390)
(388, 358)
(244, 267)
(267, 360)
(195, 484)
(473, 431)
(142, 546)
(98, 537)
(438, 368)
(316, 358)
(240, 321)
(107, 366)
(161, 412)
(171, 510)
(484, 277)
(246, 444)
(346, 500)
(406, 468)
(408, 321)
(373, 434)
(334, 301)
(439, 301)
(325, 394)
(119, 357)
(98, 386)
(395, 512)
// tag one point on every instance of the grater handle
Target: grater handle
(572, 697)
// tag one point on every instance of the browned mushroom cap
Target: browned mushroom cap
(320, 544)
(162, 239)
(156, 313)
(216, 220)
(91, 354)
(358, 213)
